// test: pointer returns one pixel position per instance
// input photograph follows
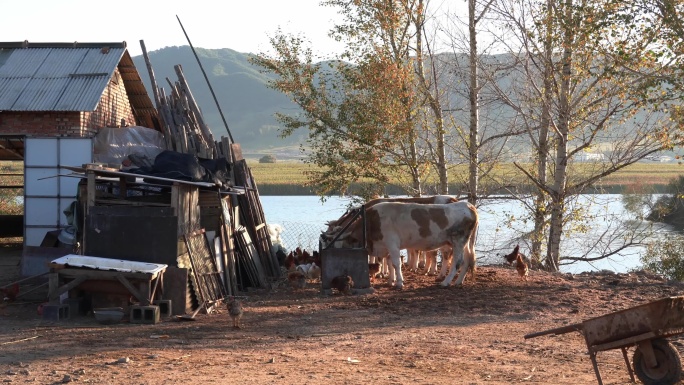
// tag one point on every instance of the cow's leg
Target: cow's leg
(422, 259)
(412, 259)
(392, 273)
(447, 257)
(395, 257)
(385, 266)
(456, 261)
(431, 262)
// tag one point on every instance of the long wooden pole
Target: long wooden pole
(207, 80)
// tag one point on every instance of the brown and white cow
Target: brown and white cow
(413, 255)
(392, 226)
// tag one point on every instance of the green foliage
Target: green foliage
(666, 257)
(670, 208)
(267, 159)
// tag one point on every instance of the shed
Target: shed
(54, 97)
(54, 100)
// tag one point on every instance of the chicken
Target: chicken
(314, 271)
(298, 256)
(290, 262)
(510, 258)
(235, 311)
(373, 270)
(297, 279)
(10, 293)
(521, 266)
(343, 284)
(305, 257)
(317, 258)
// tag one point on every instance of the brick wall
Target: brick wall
(113, 107)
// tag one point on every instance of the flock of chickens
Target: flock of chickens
(302, 265)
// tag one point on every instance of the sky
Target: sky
(244, 26)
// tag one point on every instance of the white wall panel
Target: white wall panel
(68, 186)
(41, 152)
(41, 182)
(33, 236)
(75, 152)
(41, 212)
(46, 194)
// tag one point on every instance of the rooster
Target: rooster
(521, 266)
(10, 293)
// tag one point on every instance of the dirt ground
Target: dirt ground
(423, 334)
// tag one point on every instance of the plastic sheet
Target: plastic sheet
(113, 145)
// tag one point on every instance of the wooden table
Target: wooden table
(142, 285)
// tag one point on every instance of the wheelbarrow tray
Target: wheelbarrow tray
(636, 326)
(663, 318)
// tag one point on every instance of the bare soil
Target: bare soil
(423, 334)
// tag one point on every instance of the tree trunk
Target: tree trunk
(540, 213)
(560, 176)
(473, 176)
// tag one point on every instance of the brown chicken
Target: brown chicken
(373, 270)
(10, 293)
(317, 258)
(290, 262)
(235, 310)
(297, 279)
(521, 266)
(343, 284)
(510, 258)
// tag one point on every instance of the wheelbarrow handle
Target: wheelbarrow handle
(560, 330)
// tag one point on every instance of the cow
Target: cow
(413, 255)
(392, 226)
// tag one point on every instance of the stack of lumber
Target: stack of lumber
(246, 243)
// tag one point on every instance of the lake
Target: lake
(304, 217)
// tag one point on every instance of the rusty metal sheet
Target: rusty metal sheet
(658, 316)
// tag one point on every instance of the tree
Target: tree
(583, 77)
(268, 159)
(360, 110)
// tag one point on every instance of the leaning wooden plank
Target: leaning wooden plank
(150, 72)
(206, 133)
(204, 266)
(254, 256)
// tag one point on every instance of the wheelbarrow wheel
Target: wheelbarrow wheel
(668, 370)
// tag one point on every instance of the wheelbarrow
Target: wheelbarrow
(656, 360)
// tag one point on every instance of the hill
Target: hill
(241, 90)
(249, 105)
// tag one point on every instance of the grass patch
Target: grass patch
(287, 178)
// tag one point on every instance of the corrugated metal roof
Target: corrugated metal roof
(56, 76)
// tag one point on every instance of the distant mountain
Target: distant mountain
(247, 103)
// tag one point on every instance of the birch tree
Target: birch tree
(581, 74)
